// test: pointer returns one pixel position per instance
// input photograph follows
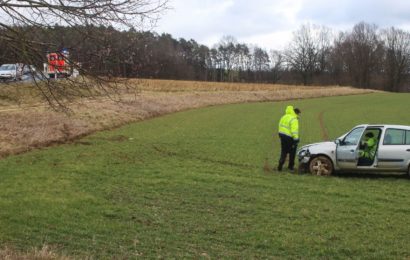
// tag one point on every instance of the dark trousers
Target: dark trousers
(288, 146)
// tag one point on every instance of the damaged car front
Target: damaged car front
(317, 158)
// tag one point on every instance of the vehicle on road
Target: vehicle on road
(11, 71)
(59, 65)
(391, 151)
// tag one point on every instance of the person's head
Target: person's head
(297, 111)
(369, 135)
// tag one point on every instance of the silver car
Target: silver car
(11, 71)
(392, 151)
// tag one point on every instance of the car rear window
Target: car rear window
(394, 137)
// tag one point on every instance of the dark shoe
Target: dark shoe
(279, 169)
(291, 170)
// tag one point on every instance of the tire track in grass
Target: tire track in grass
(323, 131)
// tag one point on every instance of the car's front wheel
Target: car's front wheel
(321, 165)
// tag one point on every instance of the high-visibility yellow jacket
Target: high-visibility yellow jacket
(289, 123)
(370, 148)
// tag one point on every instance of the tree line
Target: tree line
(365, 56)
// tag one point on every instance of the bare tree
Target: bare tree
(306, 53)
(362, 50)
(336, 64)
(226, 48)
(21, 20)
(396, 58)
(243, 61)
(276, 59)
(260, 62)
(324, 38)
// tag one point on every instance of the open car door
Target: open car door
(347, 149)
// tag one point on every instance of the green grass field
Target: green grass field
(193, 184)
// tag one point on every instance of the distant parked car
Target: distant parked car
(392, 151)
(11, 71)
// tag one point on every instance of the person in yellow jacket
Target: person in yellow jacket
(289, 136)
(368, 149)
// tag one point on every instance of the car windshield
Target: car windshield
(8, 67)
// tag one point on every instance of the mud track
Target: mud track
(323, 131)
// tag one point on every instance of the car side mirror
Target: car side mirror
(338, 141)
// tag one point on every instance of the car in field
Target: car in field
(11, 71)
(392, 151)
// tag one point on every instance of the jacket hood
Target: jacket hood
(289, 111)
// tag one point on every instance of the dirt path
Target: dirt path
(325, 135)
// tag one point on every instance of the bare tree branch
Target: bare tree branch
(21, 20)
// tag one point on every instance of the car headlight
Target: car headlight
(304, 153)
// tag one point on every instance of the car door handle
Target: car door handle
(408, 150)
(352, 151)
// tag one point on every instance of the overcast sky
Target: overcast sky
(270, 23)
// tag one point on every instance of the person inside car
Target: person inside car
(368, 148)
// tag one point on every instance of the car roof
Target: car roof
(385, 126)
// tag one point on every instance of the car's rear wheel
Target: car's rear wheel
(321, 165)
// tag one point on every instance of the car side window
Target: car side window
(353, 137)
(408, 137)
(394, 137)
